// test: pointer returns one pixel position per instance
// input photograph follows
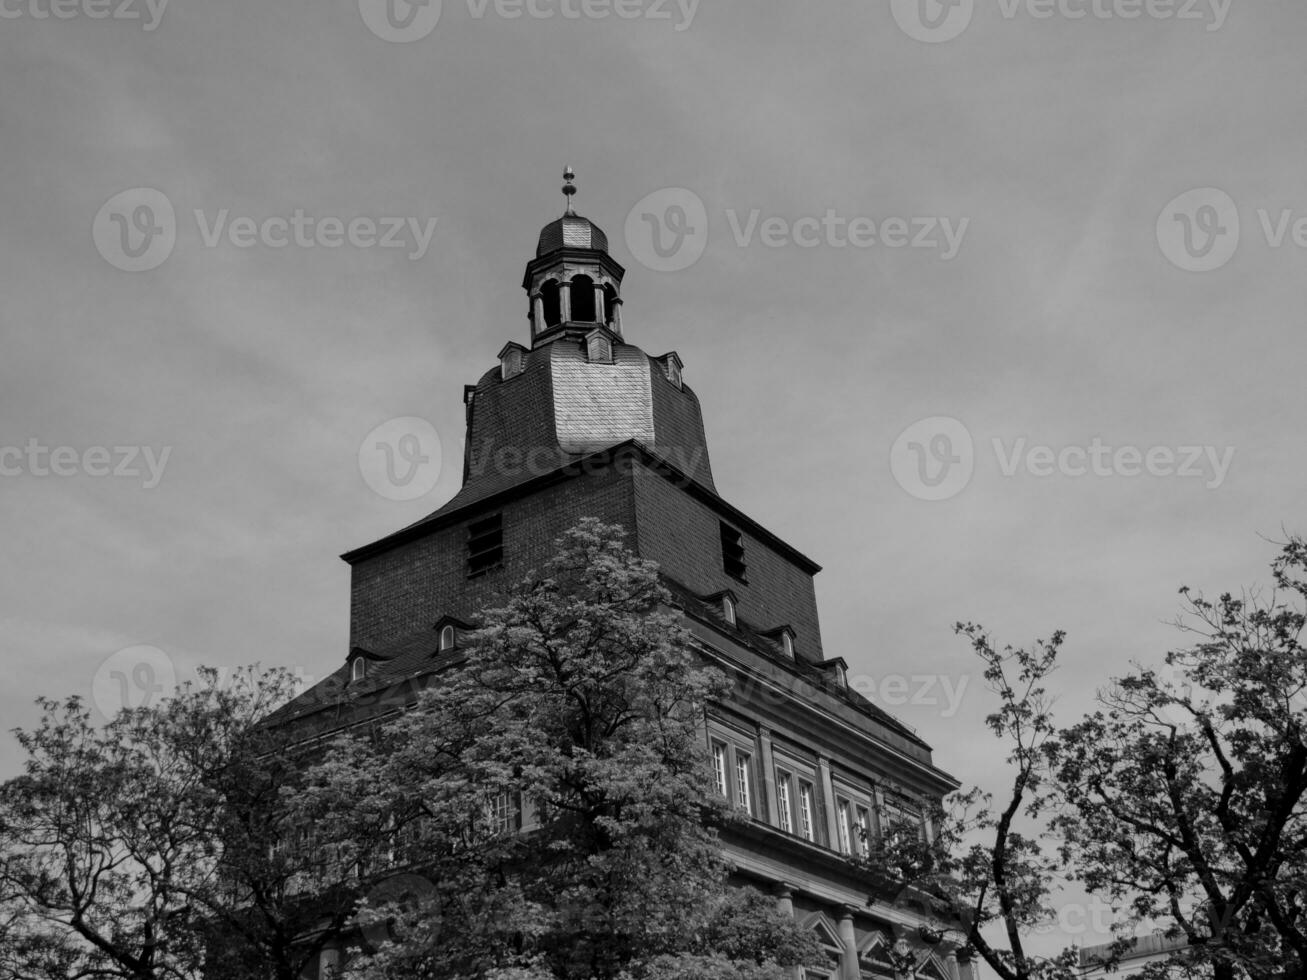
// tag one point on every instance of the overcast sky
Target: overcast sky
(1039, 290)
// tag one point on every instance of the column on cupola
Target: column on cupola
(538, 312)
(600, 316)
(849, 942)
(617, 315)
(565, 301)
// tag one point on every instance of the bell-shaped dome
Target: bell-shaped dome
(571, 231)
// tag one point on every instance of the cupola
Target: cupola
(573, 283)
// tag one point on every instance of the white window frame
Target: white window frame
(734, 753)
(358, 670)
(855, 805)
(801, 775)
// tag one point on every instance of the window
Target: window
(743, 794)
(719, 768)
(783, 804)
(845, 813)
(358, 670)
(787, 644)
(510, 362)
(597, 349)
(583, 299)
(897, 819)
(552, 303)
(447, 638)
(807, 829)
(485, 545)
(672, 367)
(733, 552)
(501, 813)
(728, 610)
(863, 839)
(732, 760)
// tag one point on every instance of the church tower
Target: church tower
(578, 422)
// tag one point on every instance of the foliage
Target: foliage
(579, 705)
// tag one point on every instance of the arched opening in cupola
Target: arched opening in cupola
(552, 303)
(583, 299)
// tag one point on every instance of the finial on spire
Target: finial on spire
(569, 188)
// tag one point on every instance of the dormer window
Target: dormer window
(511, 361)
(787, 645)
(728, 610)
(358, 670)
(672, 368)
(598, 348)
(447, 639)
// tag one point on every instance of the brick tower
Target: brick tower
(579, 422)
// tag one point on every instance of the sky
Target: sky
(989, 306)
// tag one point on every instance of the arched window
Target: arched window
(358, 670)
(552, 303)
(787, 644)
(446, 638)
(728, 610)
(583, 299)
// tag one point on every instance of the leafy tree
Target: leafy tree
(168, 842)
(580, 706)
(981, 873)
(1186, 790)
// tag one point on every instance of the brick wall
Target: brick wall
(409, 587)
(683, 535)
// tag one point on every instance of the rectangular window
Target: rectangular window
(806, 827)
(733, 553)
(485, 545)
(864, 830)
(783, 803)
(899, 820)
(719, 768)
(501, 813)
(845, 827)
(743, 794)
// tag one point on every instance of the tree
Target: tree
(979, 872)
(1186, 791)
(140, 849)
(555, 790)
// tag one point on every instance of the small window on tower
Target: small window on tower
(510, 363)
(485, 545)
(733, 552)
(598, 350)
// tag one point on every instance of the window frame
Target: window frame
(739, 752)
(859, 804)
(802, 774)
